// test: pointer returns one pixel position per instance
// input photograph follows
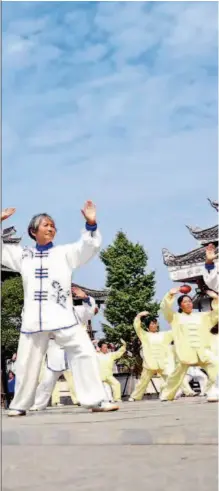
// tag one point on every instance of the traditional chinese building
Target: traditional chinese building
(188, 267)
(98, 295)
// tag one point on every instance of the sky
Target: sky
(114, 102)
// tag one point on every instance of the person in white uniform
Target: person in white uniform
(57, 361)
(195, 373)
(210, 276)
(46, 272)
(210, 273)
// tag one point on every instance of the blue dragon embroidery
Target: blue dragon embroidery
(60, 296)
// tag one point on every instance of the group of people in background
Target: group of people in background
(54, 339)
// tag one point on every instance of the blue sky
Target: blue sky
(115, 102)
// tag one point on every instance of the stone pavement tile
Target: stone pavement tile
(106, 468)
(171, 445)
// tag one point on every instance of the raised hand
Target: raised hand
(89, 212)
(143, 314)
(78, 292)
(174, 291)
(211, 294)
(210, 253)
(6, 213)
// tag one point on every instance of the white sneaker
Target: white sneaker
(104, 407)
(191, 394)
(213, 395)
(213, 398)
(163, 398)
(34, 408)
(131, 399)
(15, 412)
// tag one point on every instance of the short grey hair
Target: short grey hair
(35, 222)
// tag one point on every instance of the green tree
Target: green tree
(131, 290)
(12, 304)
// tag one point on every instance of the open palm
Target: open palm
(78, 292)
(89, 212)
(6, 213)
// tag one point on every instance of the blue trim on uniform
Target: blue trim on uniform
(66, 360)
(91, 228)
(87, 300)
(51, 369)
(209, 267)
(40, 298)
(42, 248)
(50, 330)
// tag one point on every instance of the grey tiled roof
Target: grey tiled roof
(205, 236)
(192, 257)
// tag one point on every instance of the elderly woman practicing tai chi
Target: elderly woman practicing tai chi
(192, 339)
(46, 272)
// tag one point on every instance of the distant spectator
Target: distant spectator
(11, 385)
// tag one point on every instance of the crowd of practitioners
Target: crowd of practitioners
(54, 339)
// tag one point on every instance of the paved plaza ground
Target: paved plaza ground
(146, 445)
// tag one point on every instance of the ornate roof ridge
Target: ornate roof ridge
(12, 240)
(101, 294)
(194, 256)
(90, 289)
(204, 235)
(214, 204)
(7, 236)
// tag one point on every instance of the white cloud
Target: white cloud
(117, 102)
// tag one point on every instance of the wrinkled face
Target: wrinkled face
(46, 232)
(104, 349)
(153, 326)
(186, 305)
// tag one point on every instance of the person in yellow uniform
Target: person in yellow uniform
(155, 352)
(192, 338)
(106, 362)
(171, 362)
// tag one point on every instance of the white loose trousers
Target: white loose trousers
(82, 363)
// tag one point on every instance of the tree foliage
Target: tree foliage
(12, 304)
(131, 290)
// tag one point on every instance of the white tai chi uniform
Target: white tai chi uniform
(210, 276)
(197, 374)
(46, 273)
(213, 390)
(57, 361)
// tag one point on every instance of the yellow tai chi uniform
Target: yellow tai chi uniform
(71, 387)
(171, 362)
(106, 362)
(192, 339)
(155, 353)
